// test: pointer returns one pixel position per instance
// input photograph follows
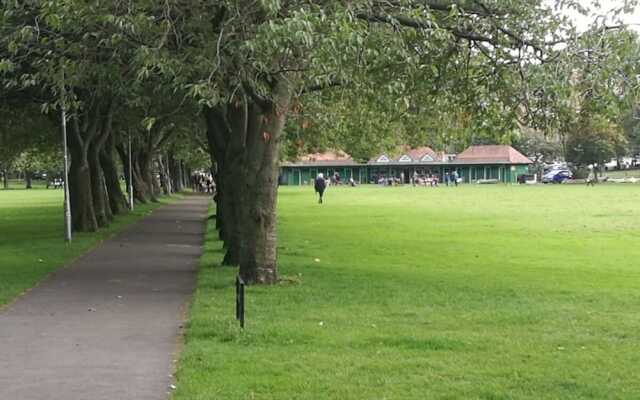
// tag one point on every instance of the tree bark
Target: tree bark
(117, 200)
(98, 192)
(237, 120)
(143, 189)
(186, 175)
(83, 218)
(101, 205)
(165, 179)
(230, 213)
(153, 182)
(28, 177)
(258, 194)
(175, 173)
(226, 135)
(217, 137)
(5, 179)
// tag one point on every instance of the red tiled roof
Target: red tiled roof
(327, 159)
(492, 154)
(415, 154)
(326, 156)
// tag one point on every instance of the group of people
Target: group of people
(416, 179)
(203, 183)
(387, 181)
(337, 180)
(450, 178)
(426, 180)
(56, 183)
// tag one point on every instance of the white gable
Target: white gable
(405, 158)
(426, 158)
(383, 158)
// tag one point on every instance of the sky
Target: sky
(583, 21)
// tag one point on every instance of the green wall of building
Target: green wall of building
(301, 175)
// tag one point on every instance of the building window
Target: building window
(405, 158)
(383, 158)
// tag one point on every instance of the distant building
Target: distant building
(477, 163)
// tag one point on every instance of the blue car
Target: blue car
(557, 176)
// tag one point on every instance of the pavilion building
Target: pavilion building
(486, 163)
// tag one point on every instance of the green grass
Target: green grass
(19, 184)
(32, 237)
(476, 292)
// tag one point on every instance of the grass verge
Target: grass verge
(475, 292)
(32, 237)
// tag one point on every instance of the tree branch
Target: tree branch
(324, 85)
(262, 102)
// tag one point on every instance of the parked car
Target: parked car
(555, 166)
(622, 163)
(557, 176)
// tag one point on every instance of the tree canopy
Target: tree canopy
(252, 82)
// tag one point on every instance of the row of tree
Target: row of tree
(70, 55)
(251, 82)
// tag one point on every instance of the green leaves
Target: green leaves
(6, 66)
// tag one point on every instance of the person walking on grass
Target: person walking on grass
(320, 185)
(591, 178)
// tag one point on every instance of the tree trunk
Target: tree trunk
(219, 198)
(143, 176)
(28, 177)
(165, 179)
(226, 134)
(83, 217)
(101, 205)
(175, 173)
(117, 200)
(89, 130)
(230, 213)
(98, 191)
(5, 179)
(142, 190)
(184, 175)
(217, 137)
(258, 194)
(231, 175)
(153, 182)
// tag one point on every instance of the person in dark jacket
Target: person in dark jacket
(320, 185)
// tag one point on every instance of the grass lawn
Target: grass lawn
(475, 292)
(32, 237)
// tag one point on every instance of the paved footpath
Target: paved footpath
(109, 326)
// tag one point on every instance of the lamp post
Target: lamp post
(130, 177)
(67, 205)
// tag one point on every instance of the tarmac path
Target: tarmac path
(109, 325)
